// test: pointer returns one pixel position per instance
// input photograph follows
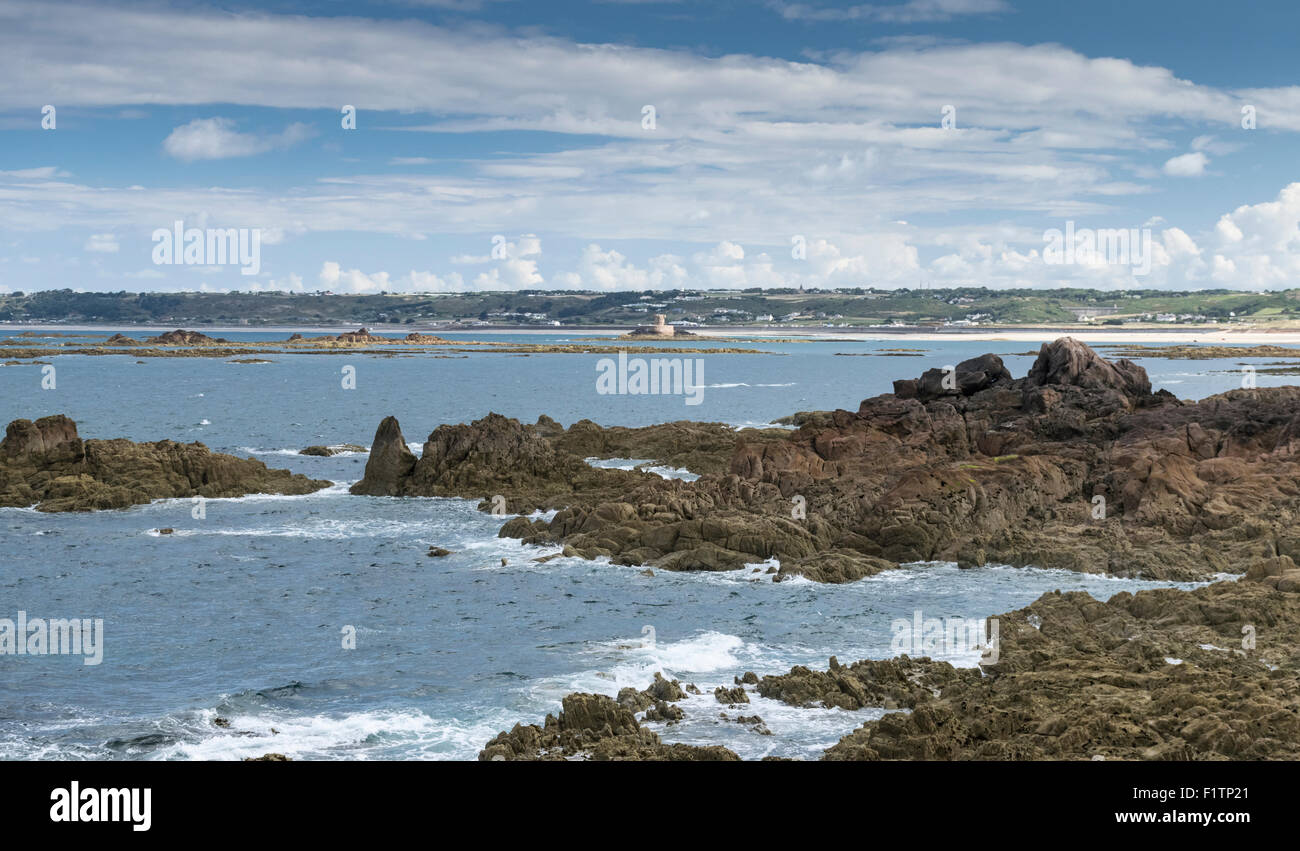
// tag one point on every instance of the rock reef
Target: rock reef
(1161, 674)
(601, 728)
(1078, 465)
(46, 464)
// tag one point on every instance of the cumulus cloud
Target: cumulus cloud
(334, 277)
(1187, 165)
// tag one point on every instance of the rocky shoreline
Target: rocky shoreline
(1165, 674)
(1078, 465)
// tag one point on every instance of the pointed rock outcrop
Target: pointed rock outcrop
(390, 462)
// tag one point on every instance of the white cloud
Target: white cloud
(334, 277)
(43, 173)
(103, 243)
(217, 138)
(838, 149)
(1187, 165)
(912, 11)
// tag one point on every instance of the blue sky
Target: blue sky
(776, 124)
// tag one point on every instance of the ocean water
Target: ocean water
(241, 614)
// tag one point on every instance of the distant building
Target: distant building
(1090, 312)
(661, 327)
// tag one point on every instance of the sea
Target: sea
(318, 627)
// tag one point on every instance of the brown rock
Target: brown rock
(390, 462)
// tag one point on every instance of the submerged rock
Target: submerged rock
(328, 451)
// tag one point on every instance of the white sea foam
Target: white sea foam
(250, 450)
(663, 472)
(634, 661)
(797, 732)
(379, 734)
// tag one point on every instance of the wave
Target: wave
(662, 471)
(373, 734)
(634, 661)
(250, 450)
(724, 386)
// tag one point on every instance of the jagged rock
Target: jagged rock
(663, 689)
(990, 469)
(179, 337)
(548, 427)
(730, 695)
(894, 683)
(390, 462)
(636, 701)
(1077, 678)
(46, 464)
(361, 335)
(1069, 362)
(664, 712)
(597, 727)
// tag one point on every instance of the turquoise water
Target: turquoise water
(241, 614)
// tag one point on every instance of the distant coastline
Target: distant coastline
(1086, 334)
